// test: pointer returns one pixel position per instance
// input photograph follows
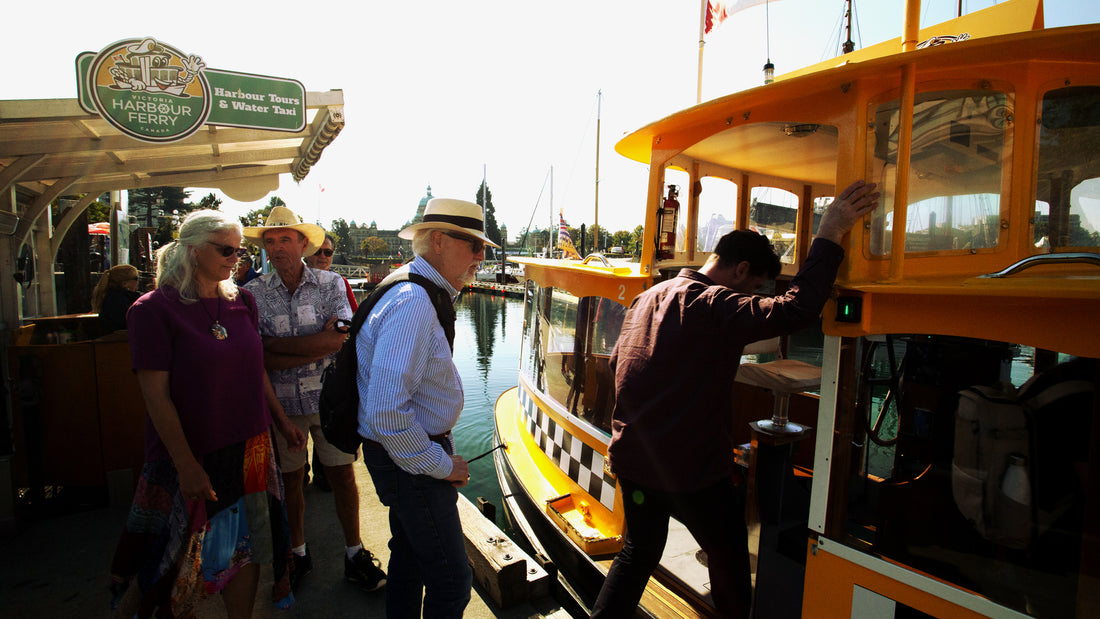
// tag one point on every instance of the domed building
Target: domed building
(420, 209)
(398, 246)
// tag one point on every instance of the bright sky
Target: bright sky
(437, 91)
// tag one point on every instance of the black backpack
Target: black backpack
(339, 406)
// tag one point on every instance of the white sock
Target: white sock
(299, 550)
(353, 550)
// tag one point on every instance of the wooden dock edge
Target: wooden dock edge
(504, 570)
(504, 290)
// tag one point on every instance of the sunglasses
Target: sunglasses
(228, 250)
(476, 245)
(327, 253)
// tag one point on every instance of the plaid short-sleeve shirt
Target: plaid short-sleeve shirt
(320, 296)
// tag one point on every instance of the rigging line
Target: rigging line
(832, 46)
(527, 230)
(577, 156)
(767, 29)
(855, 18)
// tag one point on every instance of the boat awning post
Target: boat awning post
(692, 214)
(658, 158)
(901, 188)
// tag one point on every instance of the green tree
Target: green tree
(623, 239)
(342, 232)
(373, 246)
(485, 200)
(210, 201)
(258, 216)
(149, 204)
(99, 210)
(636, 242)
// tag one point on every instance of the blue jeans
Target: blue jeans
(428, 560)
(715, 515)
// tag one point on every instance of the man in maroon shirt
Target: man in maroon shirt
(675, 361)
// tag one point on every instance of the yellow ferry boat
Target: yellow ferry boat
(934, 452)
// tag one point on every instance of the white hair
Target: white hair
(176, 261)
(421, 241)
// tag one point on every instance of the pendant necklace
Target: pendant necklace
(216, 329)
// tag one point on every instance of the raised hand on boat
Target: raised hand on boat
(854, 202)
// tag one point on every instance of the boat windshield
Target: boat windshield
(567, 344)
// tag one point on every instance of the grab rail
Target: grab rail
(598, 256)
(1032, 261)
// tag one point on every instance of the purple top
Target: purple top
(675, 362)
(216, 386)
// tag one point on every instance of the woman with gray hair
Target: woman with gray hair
(208, 509)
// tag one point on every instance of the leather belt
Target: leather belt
(441, 439)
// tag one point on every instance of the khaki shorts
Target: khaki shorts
(310, 425)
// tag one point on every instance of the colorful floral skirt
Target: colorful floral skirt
(181, 551)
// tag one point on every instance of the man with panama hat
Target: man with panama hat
(410, 397)
(299, 308)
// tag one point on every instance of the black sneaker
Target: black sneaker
(365, 570)
(299, 567)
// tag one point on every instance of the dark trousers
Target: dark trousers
(716, 518)
(427, 549)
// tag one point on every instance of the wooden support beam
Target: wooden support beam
(502, 569)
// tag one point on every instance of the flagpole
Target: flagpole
(596, 225)
(702, 26)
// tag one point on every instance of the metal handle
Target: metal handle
(598, 257)
(1031, 261)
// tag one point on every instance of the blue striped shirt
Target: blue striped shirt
(409, 388)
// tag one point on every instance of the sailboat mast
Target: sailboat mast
(596, 224)
(849, 45)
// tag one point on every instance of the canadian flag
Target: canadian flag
(716, 14)
(717, 11)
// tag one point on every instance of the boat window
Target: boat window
(567, 351)
(1067, 207)
(717, 211)
(952, 474)
(774, 213)
(956, 171)
(530, 355)
(820, 204)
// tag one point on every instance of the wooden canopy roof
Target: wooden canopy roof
(52, 148)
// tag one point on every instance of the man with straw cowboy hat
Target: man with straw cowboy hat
(410, 397)
(299, 308)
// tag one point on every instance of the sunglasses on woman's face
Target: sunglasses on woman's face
(228, 250)
(327, 253)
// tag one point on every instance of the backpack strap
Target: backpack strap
(444, 308)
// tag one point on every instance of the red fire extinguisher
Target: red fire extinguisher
(666, 224)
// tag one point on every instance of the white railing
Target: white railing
(351, 271)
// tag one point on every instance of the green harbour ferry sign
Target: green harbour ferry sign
(155, 93)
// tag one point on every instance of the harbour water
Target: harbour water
(487, 349)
